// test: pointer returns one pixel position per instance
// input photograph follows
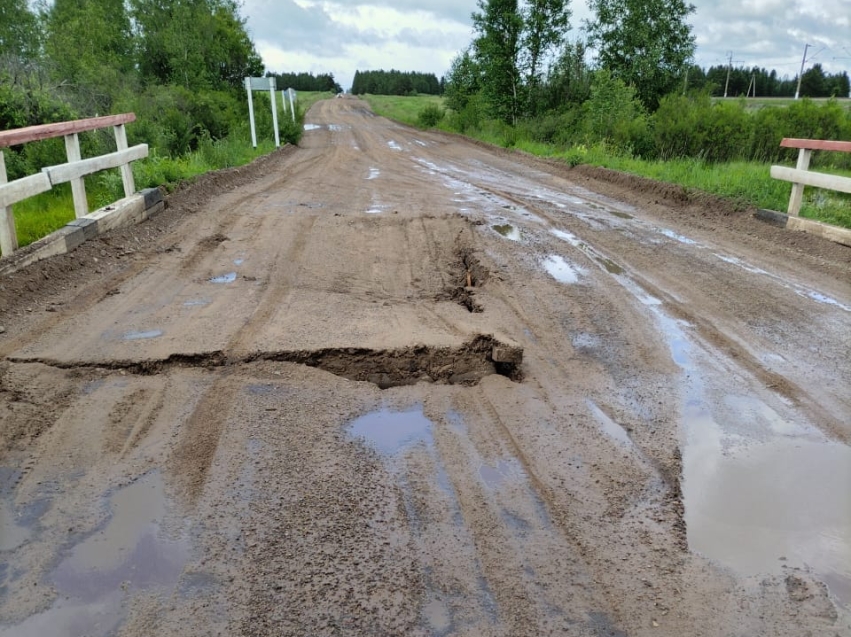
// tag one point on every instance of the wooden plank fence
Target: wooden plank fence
(73, 171)
(801, 175)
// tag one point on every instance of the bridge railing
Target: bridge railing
(801, 175)
(73, 171)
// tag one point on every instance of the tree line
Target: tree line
(759, 82)
(306, 82)
(395, 82)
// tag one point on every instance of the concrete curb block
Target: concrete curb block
(823, 230)
(124, 212)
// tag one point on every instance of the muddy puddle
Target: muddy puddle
(95, 577)
(508, 231)
(141, 335)
(763, 492)
(561, 270)
(607, 264)
(229, 277)
(390, 432)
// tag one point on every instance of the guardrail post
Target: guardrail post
(78, 186)
(8, 235)
(126, 169)
(804, 155)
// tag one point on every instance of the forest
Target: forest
(396, 83)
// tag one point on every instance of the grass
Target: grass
(746, 182)
(405, 109)
(755, 103)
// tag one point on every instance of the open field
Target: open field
(395, 382)
(402, 108)
(754, 103)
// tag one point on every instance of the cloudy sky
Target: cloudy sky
(340, 36)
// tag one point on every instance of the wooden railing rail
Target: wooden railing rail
(73, 171)
(801, 175)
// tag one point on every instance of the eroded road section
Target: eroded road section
(396, 383)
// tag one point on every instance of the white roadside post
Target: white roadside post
(8, 236)
(284, 100)
(292, 106)
(78, 186)
(251, 111)
(272, 88)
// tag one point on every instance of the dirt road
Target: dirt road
(294, 404)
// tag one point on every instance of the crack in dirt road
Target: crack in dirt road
(395, 382)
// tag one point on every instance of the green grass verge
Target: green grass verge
(746, 182)
(405, 109)
(755, 103)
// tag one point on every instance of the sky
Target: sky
(341, 36)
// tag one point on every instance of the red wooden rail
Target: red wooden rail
(816, 144)
(48, 131)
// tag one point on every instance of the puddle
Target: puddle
(394, 145)
(421, 143)
(335, 127)
(389, 432)
(622, 215)
(760, 493)
(141, 335)
(508, 231)
(677, 237)
(196, 302)
(571, 238)
(612, 429)
(130, 552)
(818, 297)
(12, 533)
(373, 173)
(230, 277)
(495, 476)
(312, 127)
(780, 503)
(560, 269)
(611, 266)
(238, 261)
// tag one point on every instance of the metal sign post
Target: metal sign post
(262, 84)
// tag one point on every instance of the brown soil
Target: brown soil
(543, 423)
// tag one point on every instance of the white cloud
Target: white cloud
(341, 36)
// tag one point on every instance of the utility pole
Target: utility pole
(729, 68)
(801, 74)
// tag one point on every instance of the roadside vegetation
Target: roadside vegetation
(641, 106)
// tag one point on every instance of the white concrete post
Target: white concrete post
(804, 155)
(251, 112)
(284, 100)
(78, 186)
(272, 88)
(292, 106)
(8, 236)
(126, 170)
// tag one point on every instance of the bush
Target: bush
(430, 116)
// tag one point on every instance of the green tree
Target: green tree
(463, 81)
(545, 24)
(499, 27)
(646, 43)
(19, 30)
(813, 82)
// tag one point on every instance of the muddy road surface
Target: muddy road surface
(397, 383)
